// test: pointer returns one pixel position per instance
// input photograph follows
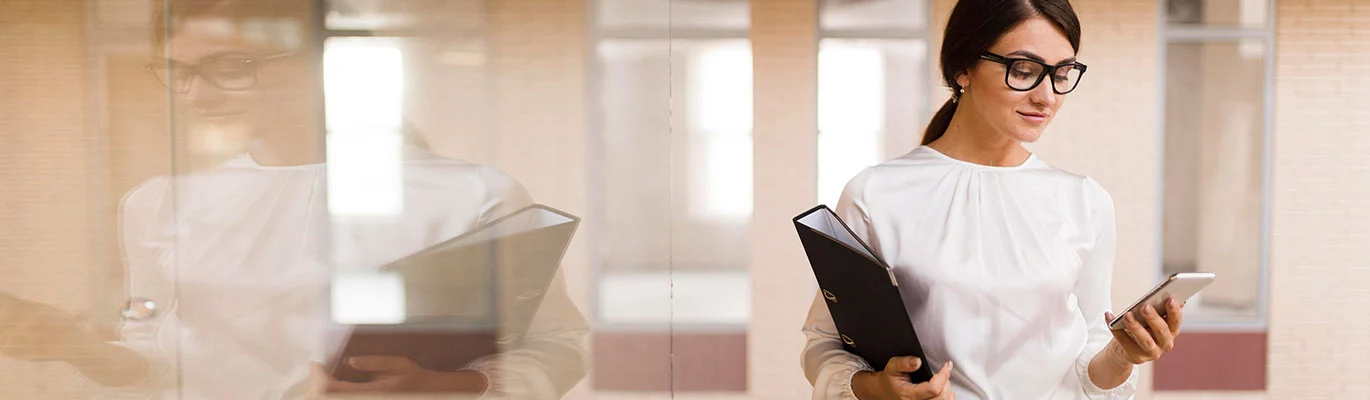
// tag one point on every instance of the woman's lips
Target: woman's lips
(1034, 118)
(216, 115)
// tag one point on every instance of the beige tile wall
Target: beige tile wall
(785, 134)
(47, 223)
(1320, 263)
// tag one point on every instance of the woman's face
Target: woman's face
(275, 88)
(1020, 116)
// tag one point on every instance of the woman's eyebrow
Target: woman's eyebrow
(224, 54)
(1034, 56)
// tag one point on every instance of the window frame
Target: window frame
(598, 34)
(1201, 34)
(922, 35)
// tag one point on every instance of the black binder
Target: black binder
(861, 292)
(468, 297)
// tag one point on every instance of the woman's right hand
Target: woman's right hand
(33, 331)
(893, 382)
(37, 332)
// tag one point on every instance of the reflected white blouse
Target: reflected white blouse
(240, 258)
(1003, 270)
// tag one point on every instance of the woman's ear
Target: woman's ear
(963, 79)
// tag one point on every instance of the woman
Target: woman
(236, 261)
(1004, 261)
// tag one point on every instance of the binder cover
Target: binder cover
(861, 292)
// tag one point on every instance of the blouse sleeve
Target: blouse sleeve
(829, 367)
(139, 213)
(1093, 291)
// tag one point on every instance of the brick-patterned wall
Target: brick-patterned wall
(45, 226)
(1320, 261)
(1319, 264)
(43, 162)
(785, 134)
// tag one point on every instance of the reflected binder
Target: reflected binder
(861, 292)
(465, 298)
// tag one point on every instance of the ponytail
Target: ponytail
(940, 121)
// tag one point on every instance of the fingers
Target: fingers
(316, 372)
(943, 378)
(383, 384)
(1160, 331)
(318, 378)
(379, 363)
(1138, 333)
(936, 388)
(903, 365)
(1174, 315)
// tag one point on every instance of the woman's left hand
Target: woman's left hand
(1147, 335)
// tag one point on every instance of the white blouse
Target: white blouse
(239, 259)
(1004, 270)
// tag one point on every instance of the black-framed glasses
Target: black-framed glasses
(1024, 74)
(226, 71)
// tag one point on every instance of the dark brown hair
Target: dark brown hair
(974, 26)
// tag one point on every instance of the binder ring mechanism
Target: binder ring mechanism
(847, 339)
(828, 295)
(529, 295)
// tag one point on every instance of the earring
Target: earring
(956, 97)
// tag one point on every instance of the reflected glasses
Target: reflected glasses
(227, 72)
(1024, 74)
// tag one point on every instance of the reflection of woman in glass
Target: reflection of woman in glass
(1004, 262)
(238, 258)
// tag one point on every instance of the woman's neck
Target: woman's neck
(968, 138)
(285, 151)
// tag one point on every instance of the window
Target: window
(671, 176)
(1217, 63)
(1247, 14)
(872, 86)
(397, 73)
(1216, 134)
(677, 190)
(363, 90)
(907, 16)
(657, 17)
(387, 17)
(719, 124)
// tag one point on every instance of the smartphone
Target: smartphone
(1179, 286)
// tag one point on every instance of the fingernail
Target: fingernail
(916, 363)
(949, 365)
(1148, 308)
